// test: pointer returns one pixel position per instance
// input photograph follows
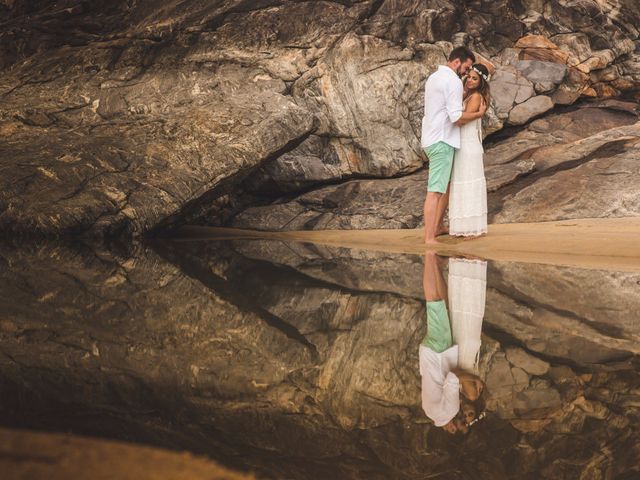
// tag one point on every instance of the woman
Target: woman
(467, 297)
(468, 201)
(445, 386)
(472, 403)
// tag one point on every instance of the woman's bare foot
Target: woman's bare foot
(469, 237)
(442, 231)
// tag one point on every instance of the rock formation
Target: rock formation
(127, 117)
(574, 164)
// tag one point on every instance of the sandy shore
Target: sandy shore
(51, 456)
(601, 243)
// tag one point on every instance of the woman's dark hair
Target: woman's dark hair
(483, 88)
(480, 406)
(461, 53)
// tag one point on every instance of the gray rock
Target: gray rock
(538, 71)
(509, 87)
(313, 162)
(631, 66)
(498, 176)
(536, 402)
(547, 143)
(491, 123)
(583, 149)
(528, 363)
(533, 107)
(608, 74)
(544, 87)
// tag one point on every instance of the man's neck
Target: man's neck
(451, 68)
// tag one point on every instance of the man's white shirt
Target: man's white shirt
(442, 108)
(440, 386)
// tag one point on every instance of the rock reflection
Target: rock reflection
(558, 342)
(301, 361)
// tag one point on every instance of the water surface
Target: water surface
(295, 360)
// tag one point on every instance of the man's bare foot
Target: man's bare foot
(431, 241)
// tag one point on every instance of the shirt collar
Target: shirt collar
(447, 67)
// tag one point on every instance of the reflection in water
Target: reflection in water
(300, 361)
(467, 297)
(451, 390)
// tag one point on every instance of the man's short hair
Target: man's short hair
(463, 54)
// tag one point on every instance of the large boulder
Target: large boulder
(129, 175)
(364, 91)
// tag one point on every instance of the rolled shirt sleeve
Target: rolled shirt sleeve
(452, 382)
(451, 395)
(454, 101)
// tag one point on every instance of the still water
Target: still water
(298, 361)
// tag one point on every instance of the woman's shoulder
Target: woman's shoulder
(475, 96)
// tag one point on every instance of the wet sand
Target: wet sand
(50, 456)
(598, 243)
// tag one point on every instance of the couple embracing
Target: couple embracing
(452, 139)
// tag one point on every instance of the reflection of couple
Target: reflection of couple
(452, 393)
(452, 139)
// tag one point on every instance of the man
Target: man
(438, 355)
(444, 384)
(443, 116)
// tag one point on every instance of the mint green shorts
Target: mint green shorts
(440, 164)
(438, 337)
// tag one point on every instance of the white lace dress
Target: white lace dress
(467, 285)
(468, 195)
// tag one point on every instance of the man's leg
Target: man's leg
(438, 337)
(433, 283)
(431, 216)
(440, 163)
(443, 203)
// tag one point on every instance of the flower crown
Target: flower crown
(477, 419)
(484, 76)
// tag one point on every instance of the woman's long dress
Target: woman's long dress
(467, 297)
(468, 194)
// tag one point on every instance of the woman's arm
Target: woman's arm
(475, 109)
(471, 385)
